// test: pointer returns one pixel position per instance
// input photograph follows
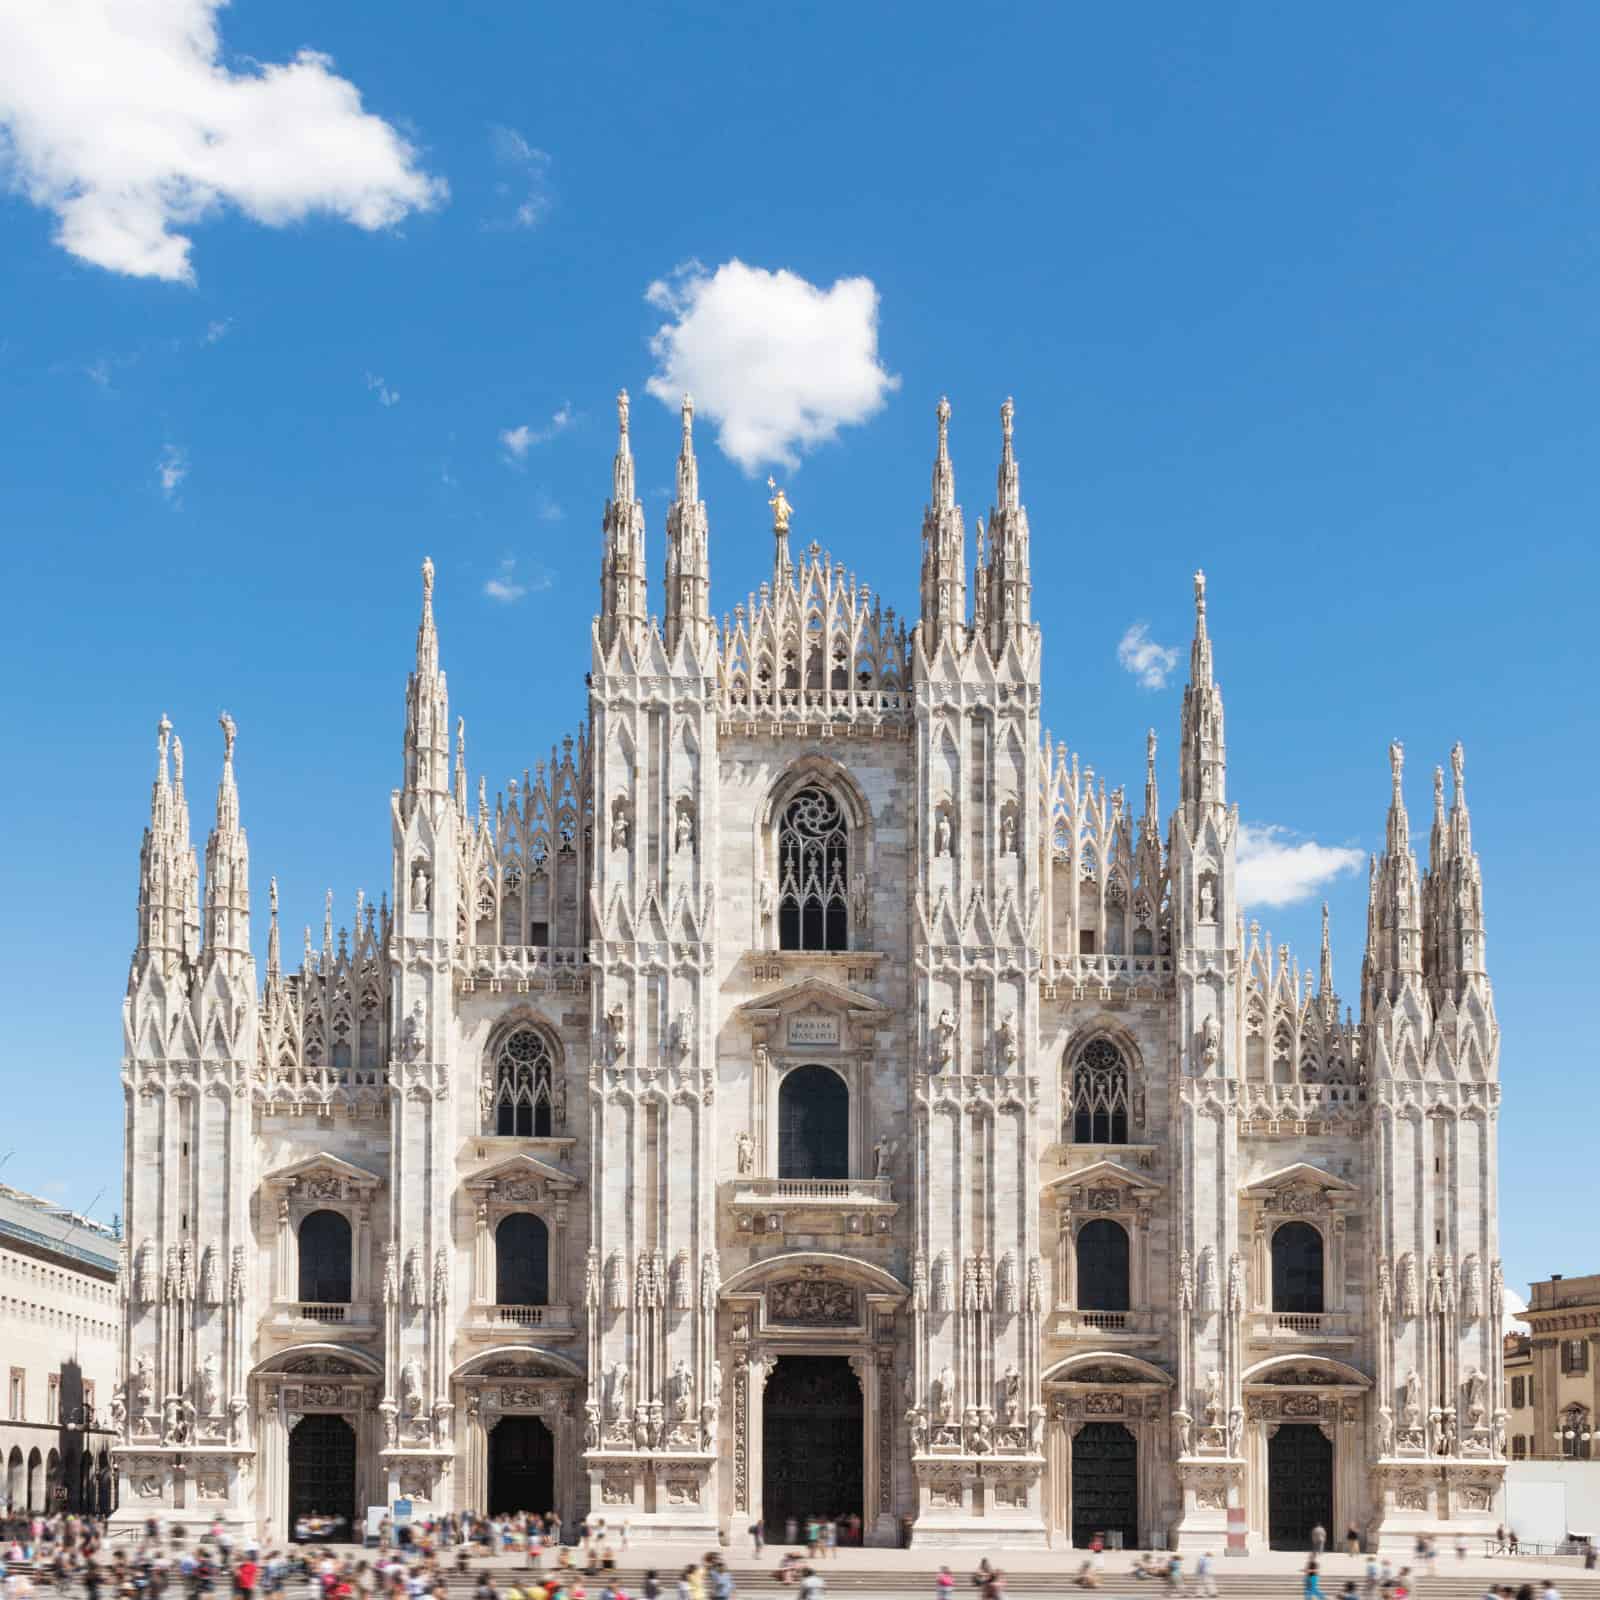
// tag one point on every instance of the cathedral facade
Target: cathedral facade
(810, 1092)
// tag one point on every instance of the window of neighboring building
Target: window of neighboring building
(1574, 1355)
(813, 874)
(1519, 1448)
(19, 1395)
(1518, 1393)
(52, 1398)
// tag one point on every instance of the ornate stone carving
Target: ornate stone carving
(811, 1302)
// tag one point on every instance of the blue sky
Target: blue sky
(1308, 299)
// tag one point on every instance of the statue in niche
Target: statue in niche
(1208, 900)
(559, 1105)
(1210, 1041)
(681, 1390)
(880, 1156)
(941, 834)
(1005, 1039)
(1008, 835)
(616, 1030)
(1213, 1397)
(764, 901)
(420, 885)
(944, 1395)
(1412, 1408)
(859, 900)
(617, 1390)
(1011, 1396)
(1206, 1285)
(944, 1046)
(1385, 1431)
(745, 1153)
(620, 831)
(683, 838)
(207, 1387)
(1477, 1398)
(415, 1034)
(411, 1388)
(139, 1385)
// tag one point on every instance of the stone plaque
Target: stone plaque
(814, 1028)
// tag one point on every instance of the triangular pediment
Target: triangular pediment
(519, 1169)
(328, 1168)
(1298, 1175)
(1101, 1175)
(813, 993)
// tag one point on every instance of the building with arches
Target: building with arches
(809, 1092)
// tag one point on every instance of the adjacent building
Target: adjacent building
(60, 1333)
(1553, 1372)
(812, 1091)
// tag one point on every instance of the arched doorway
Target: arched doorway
(1299, 1485)
(522, 1467)
(812, 1442)
(16, 1490)
(322, 1470)
(1105, 1484)
(813, 1124)
(35, 1480)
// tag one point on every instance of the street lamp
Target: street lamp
(1570, 1438)
(79, 1420)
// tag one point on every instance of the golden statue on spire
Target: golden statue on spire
(781, 509)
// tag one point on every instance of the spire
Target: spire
(980, 584)
(227, 870)
(944, 549)
(688, 548)
(168, 900)
(1393, 958)
(1325, 976)
(1203, 761)
(782, 565)
(274, 953)
(1010, 601)
(427, 741)
(1452, 896)
(1152, 801)
(623, 596)
(461, 768)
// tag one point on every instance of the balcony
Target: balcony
(1106, 1327)
(1104, 971)
(1302, 1328)
(323, 1311)
(813, 1205)
(490, 1323)
(293, 1321)
(519, 965)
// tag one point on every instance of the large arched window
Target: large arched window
(1103, 1266)
(325, 1258)
(1100, 1095)
(522, 1261)
(813, 873)
(813, 1125)
(1297, 1268)
(522, 1084)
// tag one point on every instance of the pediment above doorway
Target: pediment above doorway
(323, 1177)
(813, 1014)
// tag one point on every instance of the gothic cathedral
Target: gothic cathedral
(811, 1093)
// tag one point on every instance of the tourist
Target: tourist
(1205, 1577)
(1312, 1588)
(1549, 1592)
(943, 1585)
(757, 1537)
(1319, 1540)
(811, 1585)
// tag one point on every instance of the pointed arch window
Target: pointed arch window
(1100, 1095)
(524, 1068)
(813, 873)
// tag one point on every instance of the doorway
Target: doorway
(812, 1444)
(522, 1467)
(1299, 1485)
(1105, 1485)
(322, 1472)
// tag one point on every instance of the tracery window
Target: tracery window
(813, 874)
(1100, 1095)
(522, 1085)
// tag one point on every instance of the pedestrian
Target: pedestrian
(1205, 1577)
(811, 1585)
(1319, 1540)
(1350, 1592)
(944, 1585)
(1352, 1540)
(1549, 1592)
(1312, 1588)
(757, 1537)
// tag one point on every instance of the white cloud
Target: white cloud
(1513, 1303)
(122, 118)
(171, 470)
(1149, 662)
(506, 587)
(520, 440)
(777, 363)
(386, 395)
(1276, 868)
(533, 165)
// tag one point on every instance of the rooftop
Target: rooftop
(29, 1220)
(1557, 1293)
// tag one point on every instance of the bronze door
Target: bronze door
(1105, 1485)
(322, 1471)
(811, 1443)
(1299, 1485)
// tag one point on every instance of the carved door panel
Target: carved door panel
(1299, 1485)
(322, 1471)
(1105, 1484)
(521, 1467)
(812, 1442)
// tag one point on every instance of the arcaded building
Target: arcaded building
(811, 1091)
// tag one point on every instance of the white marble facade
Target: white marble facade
(811, 1084)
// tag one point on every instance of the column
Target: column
(1066, 1259)
(482, 1267)
(284, 1254)
(1335, 1277)
(361, 1277)
(272, 1465)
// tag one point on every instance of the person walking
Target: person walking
(1352, 1540)
(1319, 1540)
(1205, 1577)
(1312, 1588)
